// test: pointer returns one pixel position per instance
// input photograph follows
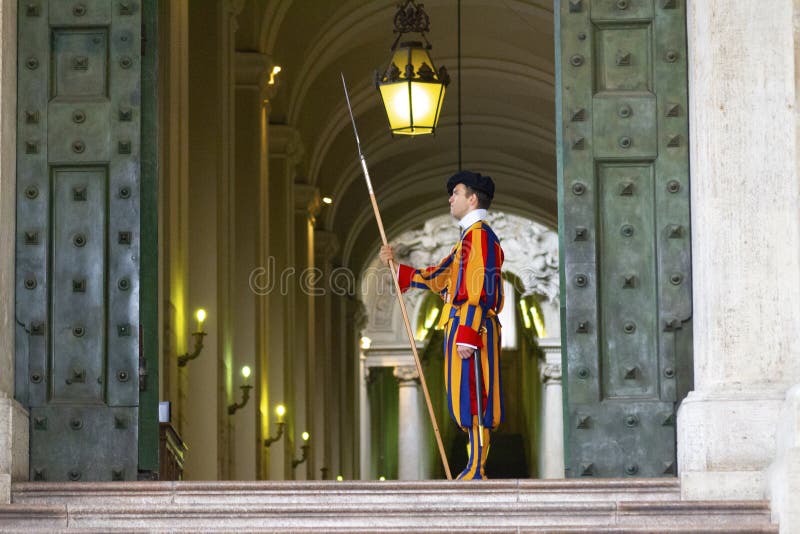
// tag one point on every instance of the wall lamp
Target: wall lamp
(245, 392)
(280, 411)
(198, 340)
(304, 447)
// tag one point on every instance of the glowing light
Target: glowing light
(382, 478)
(246, 371)
(327, 200)
(538, 322)
(280, 410)
(275, 71)
(339, 478)
(305, 436)
(525, 318)
(433, 313)
(200, 314)
(412, 97)
(366, 342)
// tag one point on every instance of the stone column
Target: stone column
(365, 448)
(410, 429)
(206, 384)
(285, 153)
(326, 246)
(13, 417)
(173, 181)
(252, 93)
(306, 207)
(745, 242)
(551, 448)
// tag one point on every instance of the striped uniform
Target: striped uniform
(469, 280)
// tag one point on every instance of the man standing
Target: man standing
(469, 280)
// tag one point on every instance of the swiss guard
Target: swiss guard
(470, 283)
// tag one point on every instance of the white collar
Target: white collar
(472, 217)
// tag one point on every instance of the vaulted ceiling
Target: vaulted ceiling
(508, 108)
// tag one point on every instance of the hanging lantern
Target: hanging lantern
(411, 88)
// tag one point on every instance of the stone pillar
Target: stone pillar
(13, 417)
(252, 92)
(551, 447)
(745, 242)
(410, 430)
(173, 181)
(306, 207)
(326, 246)
(351, 412)
(783, 476)
(365, 448)
(285, 153)
(206, 384)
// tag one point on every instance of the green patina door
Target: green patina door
(624, 227)
(79, 356)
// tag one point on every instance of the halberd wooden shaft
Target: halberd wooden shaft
(393, 269)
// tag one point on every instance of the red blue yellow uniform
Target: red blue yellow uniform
(470, 282)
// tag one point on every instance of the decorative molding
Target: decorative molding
(357, 314)
(406, 374)
(252, 72)
(285, 142)
(550, 373)
(306, 199)
(234, 7)
(326, 245)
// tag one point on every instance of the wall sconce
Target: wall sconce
(304, 447)
(245, 392)
(280, 411)
(198, 340)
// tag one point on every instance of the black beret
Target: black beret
(473, 180)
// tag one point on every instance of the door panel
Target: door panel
(624, 208)
(78, 221)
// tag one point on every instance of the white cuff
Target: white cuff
(473, 347)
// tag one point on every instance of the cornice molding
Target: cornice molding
(285, 141)
(306, 199)
(253, 70)
(406, 374)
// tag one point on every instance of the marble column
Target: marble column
(410, 450)
(13, 417)
(365, 448)
(745, 242)
(173, 182)
(285, 153)
(551, 447)
(326, 246)
(305, 287)
(351, 412)
(206, 384)
(252, 98)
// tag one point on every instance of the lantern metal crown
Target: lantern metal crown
(411, 87)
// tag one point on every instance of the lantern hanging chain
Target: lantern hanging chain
(458, 67)
(394, 268)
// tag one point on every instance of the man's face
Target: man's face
(460, 203)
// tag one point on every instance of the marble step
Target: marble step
(329, 492)
(689, 516)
